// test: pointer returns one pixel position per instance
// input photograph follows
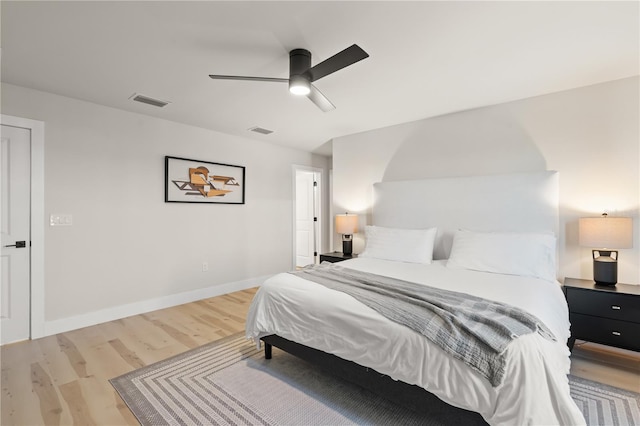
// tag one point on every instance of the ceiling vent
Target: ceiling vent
(261, 130)
(149, 101)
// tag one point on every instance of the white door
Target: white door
(15, 181)
(305, 238)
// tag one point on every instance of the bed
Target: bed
(475, 219)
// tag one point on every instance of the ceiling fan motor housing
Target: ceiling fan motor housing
(299, 64)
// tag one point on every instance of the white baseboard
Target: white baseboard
(97, 317)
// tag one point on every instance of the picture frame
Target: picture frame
(205, 182)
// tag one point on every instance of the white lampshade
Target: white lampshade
(346, 223)
(606, 232)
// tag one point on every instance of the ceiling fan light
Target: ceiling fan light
(299, 85)
(299, 90)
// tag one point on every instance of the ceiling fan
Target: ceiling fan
(302, 74)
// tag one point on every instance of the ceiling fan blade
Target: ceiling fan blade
(320, 100)
(348, 56)
(239, 77)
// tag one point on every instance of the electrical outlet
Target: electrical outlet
(205, 266)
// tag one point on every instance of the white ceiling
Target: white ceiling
(426, 58)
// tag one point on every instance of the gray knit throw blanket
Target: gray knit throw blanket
(471, 329)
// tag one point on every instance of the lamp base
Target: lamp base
(347, 245)
(605, 267)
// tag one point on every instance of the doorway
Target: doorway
(307, 196)
(22, 218)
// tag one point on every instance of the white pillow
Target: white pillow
(524, 254)
(403, 245)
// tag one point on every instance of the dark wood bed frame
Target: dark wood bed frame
(410, 396)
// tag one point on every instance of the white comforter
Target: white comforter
(535, 389)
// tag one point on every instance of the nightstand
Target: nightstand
(336, 256)
(608, 315)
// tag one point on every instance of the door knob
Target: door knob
(18, 244)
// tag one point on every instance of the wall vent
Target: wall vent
(261, 130)
(149, 101)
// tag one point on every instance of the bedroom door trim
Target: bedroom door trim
(318, 173)
(37, 221)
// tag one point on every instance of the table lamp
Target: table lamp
(603, 234)
(347, 225)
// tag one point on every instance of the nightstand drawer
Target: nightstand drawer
(336, 257)
(605, 331)
(623, 307)
(329, 259)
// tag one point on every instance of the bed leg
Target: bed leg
(267, 351)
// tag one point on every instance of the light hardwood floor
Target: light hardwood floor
(605, 364)
(64, 379)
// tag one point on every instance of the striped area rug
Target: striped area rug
(605, 405)
(230, 382)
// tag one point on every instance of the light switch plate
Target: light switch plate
(60, 220)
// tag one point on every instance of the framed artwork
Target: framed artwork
(195, 181)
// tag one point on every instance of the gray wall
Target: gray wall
(590, 135)
(126, 245)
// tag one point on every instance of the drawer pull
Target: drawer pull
(616, 333)
(615, 307)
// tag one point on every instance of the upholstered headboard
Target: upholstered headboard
(523, 202)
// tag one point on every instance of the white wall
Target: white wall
(126, 245)
(590, 135)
